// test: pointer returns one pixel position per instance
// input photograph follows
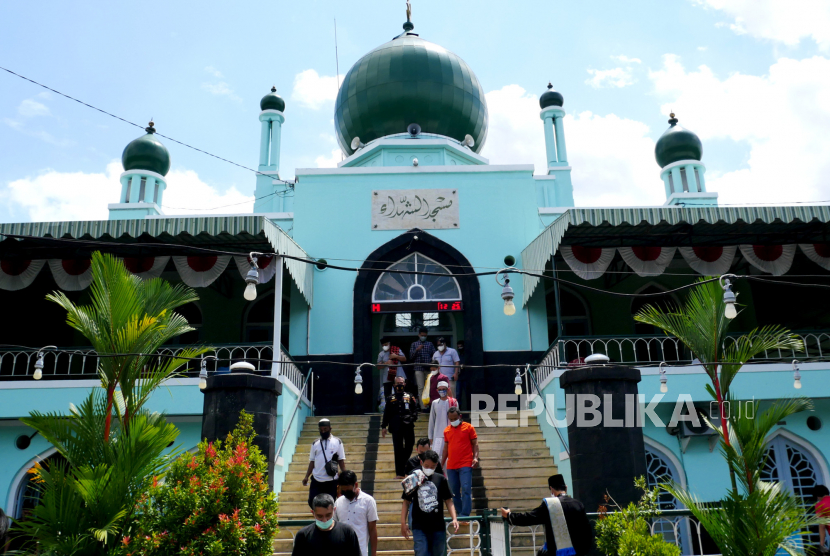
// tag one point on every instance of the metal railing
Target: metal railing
(652, 349)
(82, 362)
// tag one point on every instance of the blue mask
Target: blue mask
(324, 524)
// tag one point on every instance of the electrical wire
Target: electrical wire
(141, 126)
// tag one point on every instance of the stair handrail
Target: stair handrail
(293, 414)
(529, 372)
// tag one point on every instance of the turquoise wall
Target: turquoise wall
(285, 405)
(498, 217)
(705, 472)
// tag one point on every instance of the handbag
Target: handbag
(330, 466)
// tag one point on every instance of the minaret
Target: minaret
(678, 152)
(271, 196)
(556, 189)
(146, 163)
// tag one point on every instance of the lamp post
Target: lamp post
(506, 292)
(252, 278)
(518, 382)
(358, 379)
(664, 386)
(203, 373)
(796, 375)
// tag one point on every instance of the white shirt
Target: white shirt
(438, 420)
(331, 445)
(358, 513)
(447, 359)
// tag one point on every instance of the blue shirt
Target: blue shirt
(447, 360)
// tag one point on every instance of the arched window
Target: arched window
(414, 287)
(28, 493)
(796, 468)
(660, 470)
(576, 322)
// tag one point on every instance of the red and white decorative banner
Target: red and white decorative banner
(17, 274)
(201, 271)
(819, 253)
(146, 267)
(71, 274)
(711, 260)
(647, 261)
(775, 259)
(588, 263)
(267, 268)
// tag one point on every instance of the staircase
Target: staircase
(515, 465)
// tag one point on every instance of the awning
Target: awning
(674, 227)
(241, 234)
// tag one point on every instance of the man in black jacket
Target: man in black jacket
(399, 416)
(574, 530)
(416, 461)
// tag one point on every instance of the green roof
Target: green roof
(674, 226)
(231, 233)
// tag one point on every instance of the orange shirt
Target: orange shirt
(459, 445)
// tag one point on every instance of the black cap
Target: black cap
(557, 482)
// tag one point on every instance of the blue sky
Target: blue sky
(751, 77)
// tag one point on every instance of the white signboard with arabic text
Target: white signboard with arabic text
(404, 209)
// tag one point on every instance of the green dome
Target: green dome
(677, 144)
(272, 101)
(410, 81)
(551, 98)
(146, 153)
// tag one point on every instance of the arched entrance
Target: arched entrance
(407, 297)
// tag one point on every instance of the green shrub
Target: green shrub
(213, 503)
(626, 532)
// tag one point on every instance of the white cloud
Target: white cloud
(313, 90)
(626, 60)
(214, 72)
(330, 161)
(221, 89)
(779, 20)
(702, 48)
(612, 157)
(31, 108)
(782, 116)
(39, 134)
(53, 196)
(617, 77)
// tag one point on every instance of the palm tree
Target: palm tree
(84, 500)
(702, 326)
(128, 320)
(758, 518)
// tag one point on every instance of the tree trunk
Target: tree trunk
(108, 421)
(724, 428)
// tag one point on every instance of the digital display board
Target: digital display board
(417, 307)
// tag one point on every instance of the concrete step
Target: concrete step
(300, 509)
(526, 476)
(385, 544)
(385, 445)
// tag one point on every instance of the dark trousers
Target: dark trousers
(463, 394)
(325, 487)
(403, 440)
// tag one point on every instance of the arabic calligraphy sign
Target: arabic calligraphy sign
(403, 209)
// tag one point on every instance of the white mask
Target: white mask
(422, 338)
(442, 393)
(455, 423)
(428, 472)
(442, 348)
(385, 348)
(433, 373)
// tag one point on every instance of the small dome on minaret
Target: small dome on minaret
(677, 144)
(551, 98)
(146, 153)
(272, 101)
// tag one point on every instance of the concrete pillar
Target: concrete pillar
(559, 125)
(227, 395)
(677, 179)
(610, 454)
(264, 142)
(126, 190)
(276, 130)
(690, 178)
(550, 141)
(701, 182)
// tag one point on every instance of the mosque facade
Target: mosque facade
(413, 193)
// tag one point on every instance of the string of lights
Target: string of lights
(110, 114)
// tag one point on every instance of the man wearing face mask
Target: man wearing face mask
(415, 461)
(425, 490)
(325, 451)
(449, 362)
(358, 509)
(389, 360)
(438, 416)
(399, 416)
(420, 353)
(460, 456)
(325, 535)
(435, 376)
